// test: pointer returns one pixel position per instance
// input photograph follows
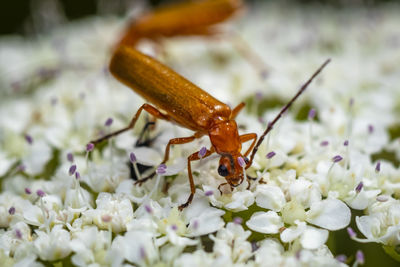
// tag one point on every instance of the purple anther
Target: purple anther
(28, 191)
(72, 170)
(208, 193)
(324, 143)
(351, 102)
(70, 157)
(237, 220)
(202, 152)
(378, 167)
(270, 155)
(370, 128)
(351, 232)
(106, 218)
(132, 157)
(241, 162)
(259, 95)
(337, 158)
(142, 253)
(311, 114)
(360, 257)
(346, 143)
(161, 169)
(89, 147)
(148, 209)
(359, 187)
(40, 193)
(21, 167)
(382, 198)
(28, 139)
(77, 175)
(342, 258)
(11, 211)
(108, 122)
(174, 227)
(18, 233)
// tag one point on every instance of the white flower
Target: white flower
(382, 223)
(136, 247)
(118, 209)
(310, 237)
(231, 245)
(331, 214)
(270, 197)
(54, 245)
(90, 246)
(199, 258)
(265, 222)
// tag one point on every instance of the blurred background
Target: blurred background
(30, 17)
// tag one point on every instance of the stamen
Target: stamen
(311, 114)
(359, 187)
(202, 152)
(11, 211)
(70, 157)
(108, 122)
(132, 157)
(237, 220)
(29, 139)
(337, 159)
(360, 257)
(161, 169)
(72, 170)
(351, 232)
(324, 143)
(208, 193)
(89, 147)
(378, 167)
(40, 193)
(270, 155)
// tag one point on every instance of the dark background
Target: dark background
(23, 16)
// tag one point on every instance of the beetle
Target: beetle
(173, 98)
(197, 18)
(187, 18)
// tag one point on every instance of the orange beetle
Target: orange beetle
(178, 100)
(189, 106)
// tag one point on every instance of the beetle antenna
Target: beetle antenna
(283, 110)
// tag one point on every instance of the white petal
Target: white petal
(361, 200)
(313, 238)
(265, 222)
(293, 232)
(176, 167)
(270, 197)
(240, 201)
(147, 156)
(368, 226)
(331, 214)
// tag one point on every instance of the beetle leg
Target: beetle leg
(193, 157)
(147, 107)
(174, 141)
(142, 141)
(248, 137)
(236, 110)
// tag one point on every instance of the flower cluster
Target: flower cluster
(333, 158)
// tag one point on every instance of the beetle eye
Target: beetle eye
(223, 170)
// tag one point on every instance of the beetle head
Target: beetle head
(229, 167)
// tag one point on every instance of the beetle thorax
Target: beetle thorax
(224, 137)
